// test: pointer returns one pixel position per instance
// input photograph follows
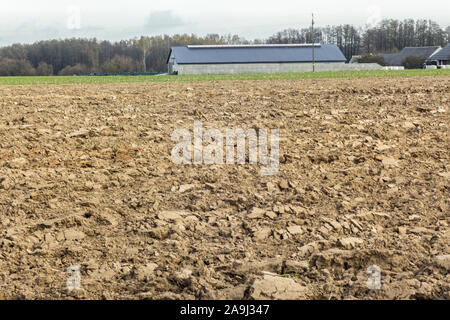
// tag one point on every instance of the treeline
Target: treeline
(149, 54)
(389, 36)
(86, 56)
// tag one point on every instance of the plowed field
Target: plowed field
(86, 179)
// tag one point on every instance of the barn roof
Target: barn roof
(443, 54)
(256, 54)
(396, 59)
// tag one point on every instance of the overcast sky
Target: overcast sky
(29, 21)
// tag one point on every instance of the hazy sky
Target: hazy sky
(29, 21)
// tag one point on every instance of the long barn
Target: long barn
(226, 59)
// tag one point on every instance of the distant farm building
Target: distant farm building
(441, 57)
(397, 59)
(230, 59)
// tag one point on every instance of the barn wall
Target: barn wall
(269, 68)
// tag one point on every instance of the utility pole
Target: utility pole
(312, 38)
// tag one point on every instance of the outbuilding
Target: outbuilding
(397, 59)
(441, 57)
(266, 58)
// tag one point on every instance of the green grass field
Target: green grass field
(184, 78)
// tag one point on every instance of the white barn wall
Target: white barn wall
(194, 69)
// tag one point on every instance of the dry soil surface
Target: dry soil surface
(86, 179)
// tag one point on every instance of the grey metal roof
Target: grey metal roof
(255, 54)
(392, 58)
(396, 59)
(443, 54)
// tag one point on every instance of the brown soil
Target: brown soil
(86, 179)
